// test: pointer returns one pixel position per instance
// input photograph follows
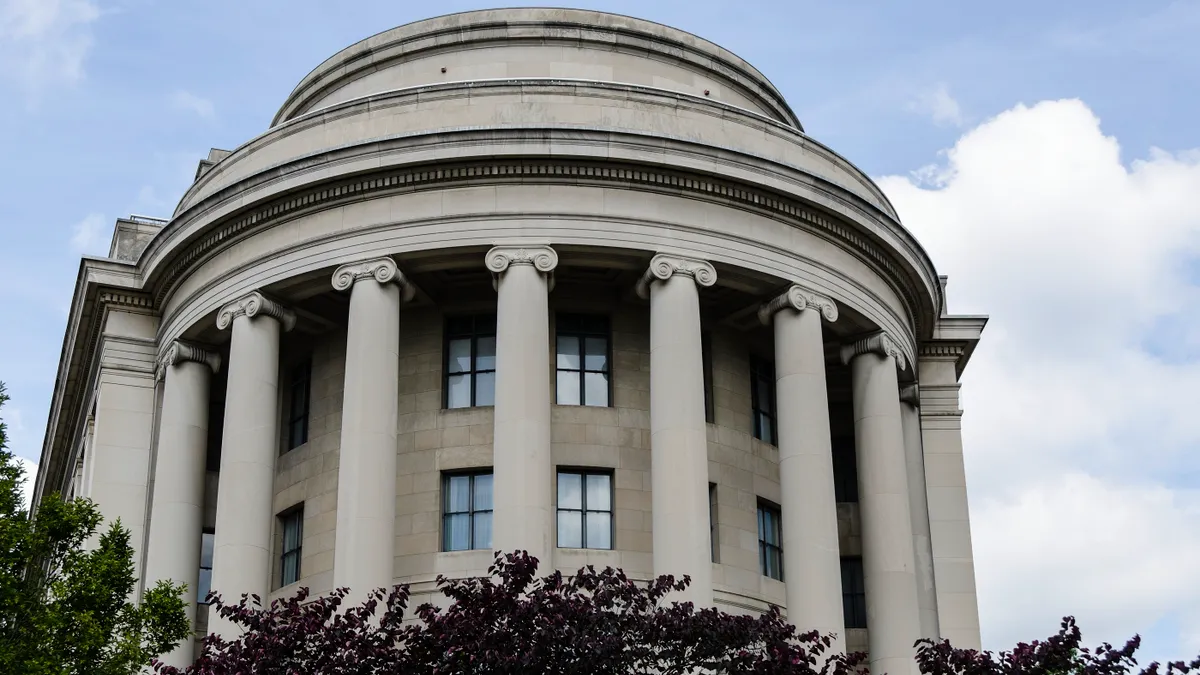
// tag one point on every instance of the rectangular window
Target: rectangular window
(291, 524)
(206, 557)
(710, 411)
(845, 469)
(583, 362)
(299, 388)
(585, 509)
(762, 398)
(770, 543)
(854, 594)
(712, 523)
(470, 361)
(466, 511)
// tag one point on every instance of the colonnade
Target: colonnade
(895, 525)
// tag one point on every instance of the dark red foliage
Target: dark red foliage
(593, 623)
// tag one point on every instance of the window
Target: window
(206, 558)
(466, 511)
(845, 469)
(299, 386)
(762, 398)
(854, 595)
(710, 412)
(471, 361)
(770, 546)
(712, 523)
(584, 509)
(291, 524)
(583, 363)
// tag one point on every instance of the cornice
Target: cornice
(382, 270)
(254, 304)
(664, 266)
(799, 298)
(879, 343)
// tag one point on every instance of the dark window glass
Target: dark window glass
(206, 558)
(845, 469)
(712, 523)
(291, 524)
(583, 362)
(470, 361)
(216, 420)
(299, 388)
(762, 398)
(466, 511)
(854, 593)
(706, 357)
(770, 543)
(585, 509)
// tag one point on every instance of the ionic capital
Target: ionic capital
(254, 304)
(911, 395)
(663, 267)
(180, 352)
(500, 258)
(383, 270)
(799, 298)
(880, 343)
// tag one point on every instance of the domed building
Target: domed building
(539, 279)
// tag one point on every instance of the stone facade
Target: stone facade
(269, 370)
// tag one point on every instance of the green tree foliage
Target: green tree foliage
(65, 610)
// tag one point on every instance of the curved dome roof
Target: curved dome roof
(537, 42)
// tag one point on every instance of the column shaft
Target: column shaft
(678, 432)
(891, 586)
(177, 515)
(523, 466)
(910, 419)
(250, 443)
(363, 557)
(811, 556)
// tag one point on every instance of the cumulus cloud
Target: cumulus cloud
(1081, 427)
(90, 235)
(45, 42)
(186, 100)
(938, 105)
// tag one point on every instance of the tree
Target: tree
(66, 610)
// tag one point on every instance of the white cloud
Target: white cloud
(938, 105)
(1080, 421)
(45, 42)
(90, 235)
(186, 100)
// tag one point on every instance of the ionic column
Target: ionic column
(250, 442)
(887, 542)
(918, 501)
(811, 557)
(678, 436)
(177, 514)
(523, 498)
(366, 498)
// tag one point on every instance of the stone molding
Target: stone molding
(799, 298)
(880, 343)
(664, 266)
(911, 394)
(383, 270)
(252, 305)
(180, 352)
(543, 258)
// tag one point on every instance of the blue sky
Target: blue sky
(1046, 153)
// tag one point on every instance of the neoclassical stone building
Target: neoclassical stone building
(554, 280)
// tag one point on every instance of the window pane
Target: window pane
(568, 387)
(568, 352)
(483, 530)
(570, 491)
(570, 529)
(595, 389)
(596, 353)
(291, 569)
(485, 389)
(765, 428)
(764, 393)
(599, 530)
(458, 391)
(206, 549)
(458, 356)
(457, 535)
(599, 494)
(483, 492)
(485, 353)
(299, 399)
(458, 494)
(204, 585)
(291, 532)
